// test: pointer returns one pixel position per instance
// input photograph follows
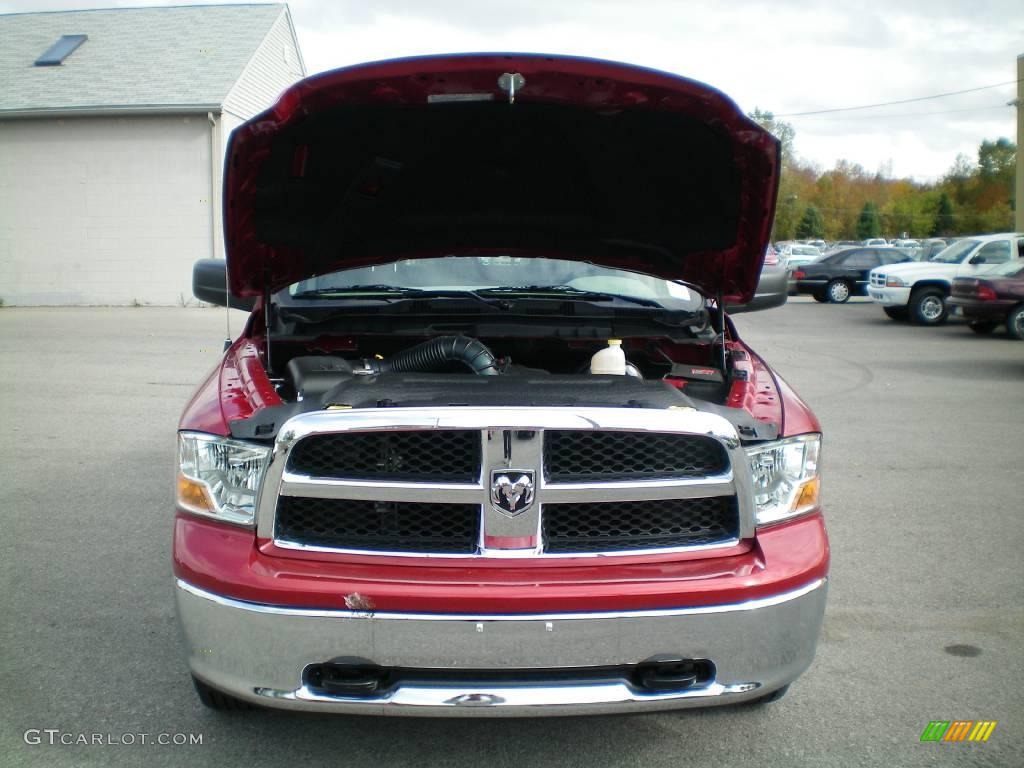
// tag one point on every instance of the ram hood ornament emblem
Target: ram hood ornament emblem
(511, 490)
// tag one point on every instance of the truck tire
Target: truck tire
(928, 306)
(837, 291)
(214, 699)
(896, 313)
(768, 698)
(982, 327)
(1015, 323)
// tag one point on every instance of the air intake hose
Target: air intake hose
(434, 355)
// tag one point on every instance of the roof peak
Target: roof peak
(141, 8)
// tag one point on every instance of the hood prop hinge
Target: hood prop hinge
(721, 331)
(267, 308)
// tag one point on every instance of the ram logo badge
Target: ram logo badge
(511, 491)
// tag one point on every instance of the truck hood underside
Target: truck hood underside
(606, 163)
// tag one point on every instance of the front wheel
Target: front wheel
(214, 699)
(981, 327)
(820, 297)
(838, 292)
(1015, 323)
(928, 307)
(770, 697)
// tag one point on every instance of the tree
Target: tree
(811, 224)
(944, 223)
(782, 131)
(997, 160)
(868, 224)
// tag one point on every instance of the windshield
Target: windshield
(955, 253)
(495, 273)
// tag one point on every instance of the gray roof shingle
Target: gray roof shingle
(135, 59)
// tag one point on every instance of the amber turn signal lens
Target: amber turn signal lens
(808, 498)
(192, 495)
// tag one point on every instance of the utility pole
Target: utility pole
(1019, 197)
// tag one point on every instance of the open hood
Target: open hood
(538, 155)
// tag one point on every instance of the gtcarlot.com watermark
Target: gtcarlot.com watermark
(56, 737)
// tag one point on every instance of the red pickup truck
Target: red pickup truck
(489, 444)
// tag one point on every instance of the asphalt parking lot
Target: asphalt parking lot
(924, 495)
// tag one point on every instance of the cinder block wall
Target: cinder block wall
(104, 210)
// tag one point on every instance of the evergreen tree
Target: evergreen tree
(869, 224)
(944, 224)
(811, 224)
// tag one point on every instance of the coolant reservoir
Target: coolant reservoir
(611, 359)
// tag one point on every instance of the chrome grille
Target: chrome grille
(418, 481)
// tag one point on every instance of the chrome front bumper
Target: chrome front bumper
(258, 653)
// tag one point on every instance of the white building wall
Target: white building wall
(103, 210)
(274, 66)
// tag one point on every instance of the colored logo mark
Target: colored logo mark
(958, 730)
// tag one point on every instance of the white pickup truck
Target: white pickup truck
(919, 290)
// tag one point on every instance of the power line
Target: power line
(900, 101)
(896, 115)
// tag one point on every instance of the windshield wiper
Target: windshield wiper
(390, 290)
(570, 292)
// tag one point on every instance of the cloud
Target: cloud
(781, 55)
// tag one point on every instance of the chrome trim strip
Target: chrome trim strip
(299, 547)
(373, 490)
(748, 605)
(511, 553)
(533, 697)
(640, 490)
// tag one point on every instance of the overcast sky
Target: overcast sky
(781, 55)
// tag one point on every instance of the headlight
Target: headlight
(895, 282)
(220, 478)
(786, 481)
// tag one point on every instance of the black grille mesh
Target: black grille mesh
(626, 525)
(582, 455)
(428, 455)
(379, 525)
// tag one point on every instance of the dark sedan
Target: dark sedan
(840, 275)
(993, 300)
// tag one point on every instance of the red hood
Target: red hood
(607, 163)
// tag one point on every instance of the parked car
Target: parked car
(797, 255)
(993, 300)
(930, 247)
(919, 290)
(429, 480)
(772, 285)
(838, 276)
(875, 242)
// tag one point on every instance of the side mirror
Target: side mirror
(210, 284)
(977, 259)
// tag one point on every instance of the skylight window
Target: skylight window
(60, 50)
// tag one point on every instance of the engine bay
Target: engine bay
(453, 371)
